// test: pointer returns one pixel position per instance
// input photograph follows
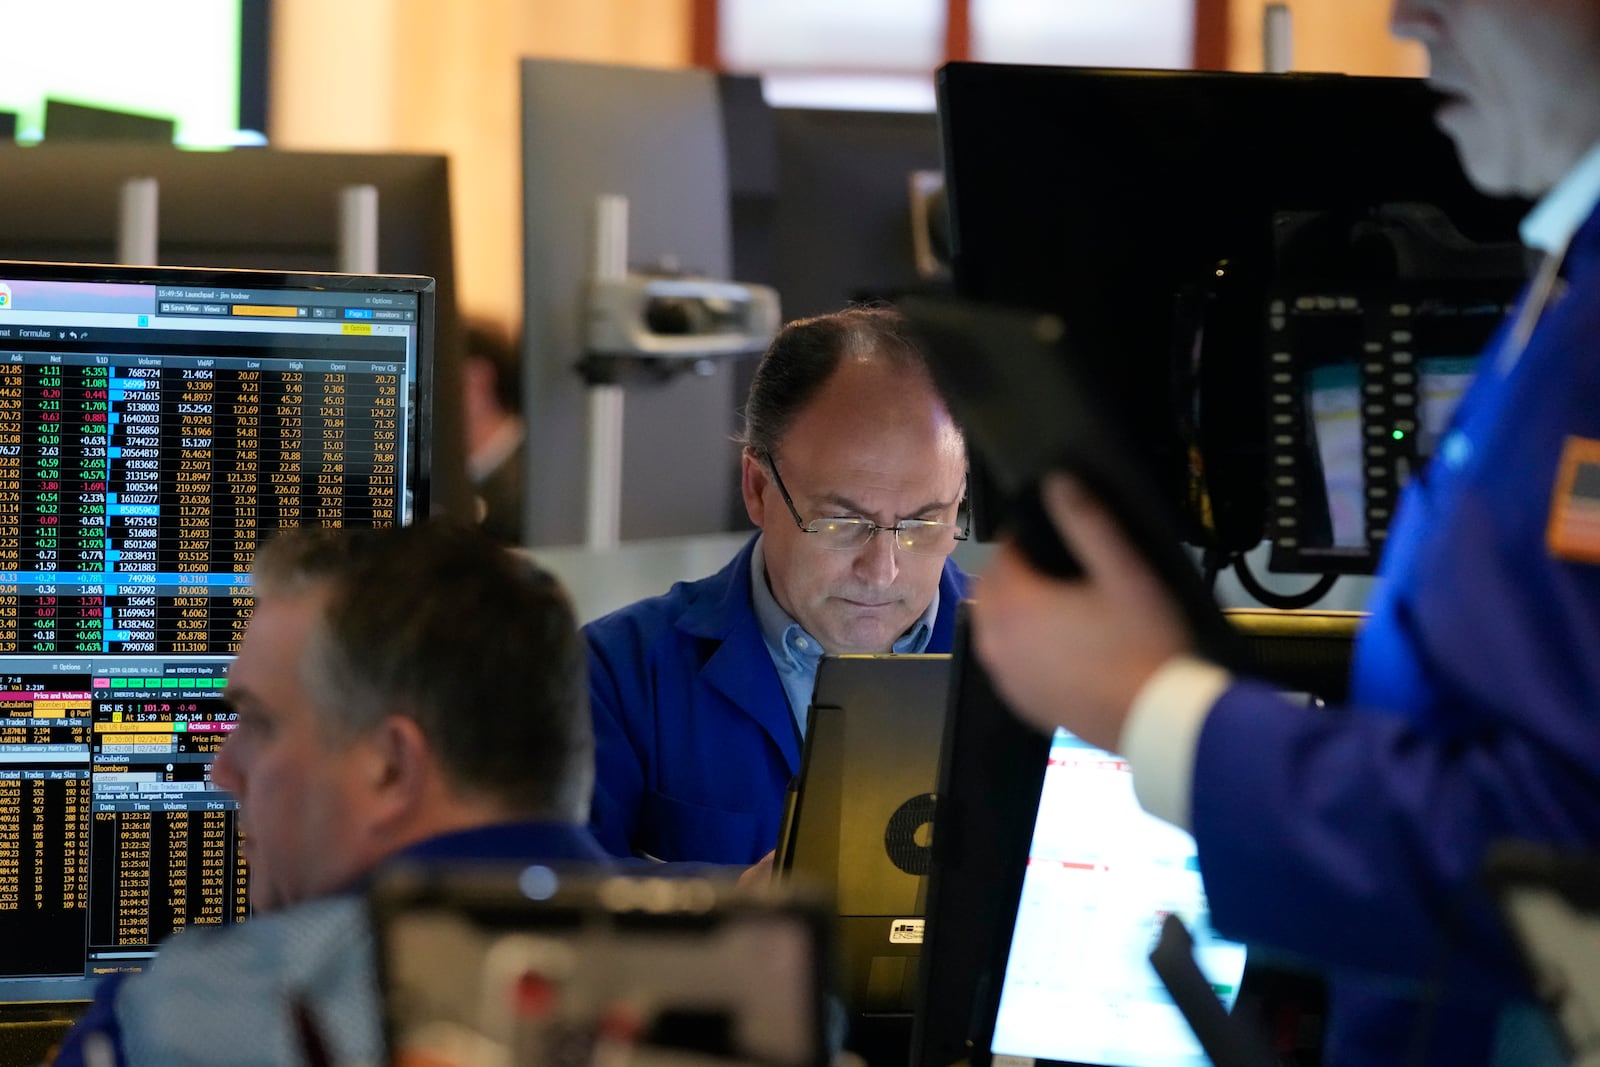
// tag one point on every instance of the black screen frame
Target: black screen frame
(991, 770)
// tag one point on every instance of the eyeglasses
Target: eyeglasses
(921, 536)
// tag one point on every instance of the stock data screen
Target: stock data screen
(1102, 876)
(154, 428)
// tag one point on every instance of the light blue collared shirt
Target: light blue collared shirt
(1549, 227)
(796, 653)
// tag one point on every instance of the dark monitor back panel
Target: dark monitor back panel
(862, 819)
(1141, 208)
(67, 121)
(843, 218)
(253, 208)
(1300, 652)
(821, 203)
(991, 769)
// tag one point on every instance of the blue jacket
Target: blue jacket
(220, 995)
(1356, 838)
(694, 739)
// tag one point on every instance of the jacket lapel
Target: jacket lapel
(740, 668)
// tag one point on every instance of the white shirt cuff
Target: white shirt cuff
(1162, 732)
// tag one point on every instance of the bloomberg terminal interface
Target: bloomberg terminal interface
(150, 436)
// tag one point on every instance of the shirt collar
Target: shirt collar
(775, 622)
(916, 639)
(788, 641)
(1550, 226)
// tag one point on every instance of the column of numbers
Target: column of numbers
(193, 415)
(132, 830)
(39, 806)
(133, 540)
(184, 625)
(237, 520)
(174, 895)
(83, 507)
(11, 816)
(382, 488)
(216, 833)
(283, 446)
(368, 495)
(11, 482)
(75, 843)
(327, 415)
(43, 393)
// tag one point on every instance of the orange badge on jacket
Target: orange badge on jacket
(1574, 529)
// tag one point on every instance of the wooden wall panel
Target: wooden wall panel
(421, 76)
(1344, 36)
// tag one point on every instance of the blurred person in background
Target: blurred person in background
(491, 416)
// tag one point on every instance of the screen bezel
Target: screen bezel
(991, 768)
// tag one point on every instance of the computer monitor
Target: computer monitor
(1010, 800)
(202, 65)
(1228, 251)
(991, 769)
(846, 182)
(859, 818)
(155, 424)
(829, 206)
(1077, 986)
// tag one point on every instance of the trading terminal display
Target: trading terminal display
(132, 496)
(142, 459)
(110, 837)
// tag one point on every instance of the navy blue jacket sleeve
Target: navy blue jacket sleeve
(619, 776)
(101, 1019)
(1357, 838)
(1364, 836)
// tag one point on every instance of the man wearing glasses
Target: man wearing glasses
(855, 474)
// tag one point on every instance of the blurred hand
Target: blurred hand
(1075, 653)
(761, 873)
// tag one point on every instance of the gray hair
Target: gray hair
(473, 642)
